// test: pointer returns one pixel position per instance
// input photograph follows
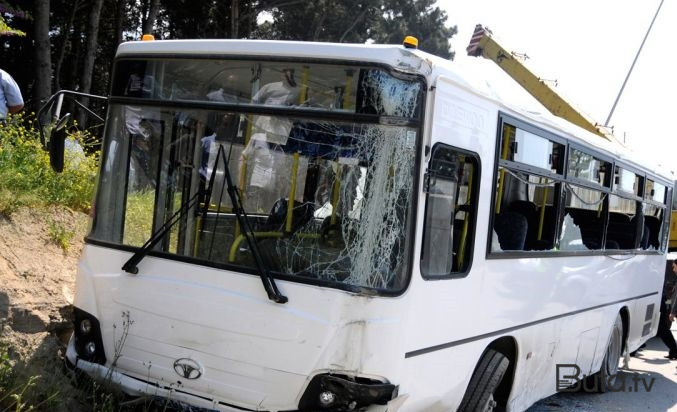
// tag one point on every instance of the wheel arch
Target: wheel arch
(625, 318)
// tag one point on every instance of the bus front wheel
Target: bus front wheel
(479, 397)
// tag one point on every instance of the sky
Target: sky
(588, 46)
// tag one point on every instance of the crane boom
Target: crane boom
(483, 44)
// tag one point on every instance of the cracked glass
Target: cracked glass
(328, 199)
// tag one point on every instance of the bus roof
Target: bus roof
(408, 60)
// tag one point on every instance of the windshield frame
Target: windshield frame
(300, 112)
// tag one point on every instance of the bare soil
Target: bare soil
(37, 280)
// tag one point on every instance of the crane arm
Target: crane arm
(483, 44)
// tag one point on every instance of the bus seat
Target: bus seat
(301, 215)
(511, 229)
(532, 213)
(622, 229)
(591, 224)
(654, 224)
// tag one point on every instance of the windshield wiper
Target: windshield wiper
(130, 266)
(236, 200)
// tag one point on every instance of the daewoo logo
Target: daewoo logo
(187, 368)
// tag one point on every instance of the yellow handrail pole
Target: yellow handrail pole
(335, 194)
(466, 220)
(600, 208)
(348, 90)
(240, 238)
(501, 176)
(197, 234)
(542, 214)
(303, 94)
(292, 193)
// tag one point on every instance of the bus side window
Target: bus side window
(450, 212)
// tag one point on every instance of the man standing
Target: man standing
(10, 96)
(667, 315)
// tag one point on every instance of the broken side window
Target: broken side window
(450, 212)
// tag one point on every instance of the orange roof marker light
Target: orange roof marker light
(147, 37)
(410, 42)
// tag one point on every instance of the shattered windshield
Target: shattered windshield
(327, 200)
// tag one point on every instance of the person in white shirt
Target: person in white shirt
(10, 96)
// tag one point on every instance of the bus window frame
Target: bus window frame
(604, 187)
(419, 123)
(641, 187)
(505, 118)
(651, 200)
(519, 124)
(470, 246)
(664, 235)
(255, 108)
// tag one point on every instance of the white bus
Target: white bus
(288, 226)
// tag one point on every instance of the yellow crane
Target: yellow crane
(483, 44)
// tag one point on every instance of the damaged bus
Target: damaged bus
(288, 226)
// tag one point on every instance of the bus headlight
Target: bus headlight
(87, 337)
(327, 392)
(327, 398)
(85, 326)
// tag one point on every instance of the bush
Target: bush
(27, 179)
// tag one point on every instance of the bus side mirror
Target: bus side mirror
(57, 141)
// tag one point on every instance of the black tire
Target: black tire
(609, 369)
(479, 397)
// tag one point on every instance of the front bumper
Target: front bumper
(139, 387)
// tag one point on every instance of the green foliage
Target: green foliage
(356, 21)
(5, 30)
(420, 19)
(21, 394)
(139, 217)
(27, 179)
(60, 235)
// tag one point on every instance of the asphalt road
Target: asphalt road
(649, 363)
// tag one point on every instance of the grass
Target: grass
(22, 394)
(27, 179)
(60, 235)
(41, 381)
(138, 217)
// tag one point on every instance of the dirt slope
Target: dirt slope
(37, 279)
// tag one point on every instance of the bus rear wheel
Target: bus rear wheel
(479, 397)
(609, 369)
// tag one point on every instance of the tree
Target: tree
(357, 21)
(418, 18)
(349, 21)
(91, 46)
(73, 45)
(150, 8)
(43, 54)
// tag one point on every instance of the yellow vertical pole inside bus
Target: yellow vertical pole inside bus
(348, 89)
(335, 193)
(501, 177)
(292, 193)
(544, 193)
(466, 220)
(303, 94)
(600, 207)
